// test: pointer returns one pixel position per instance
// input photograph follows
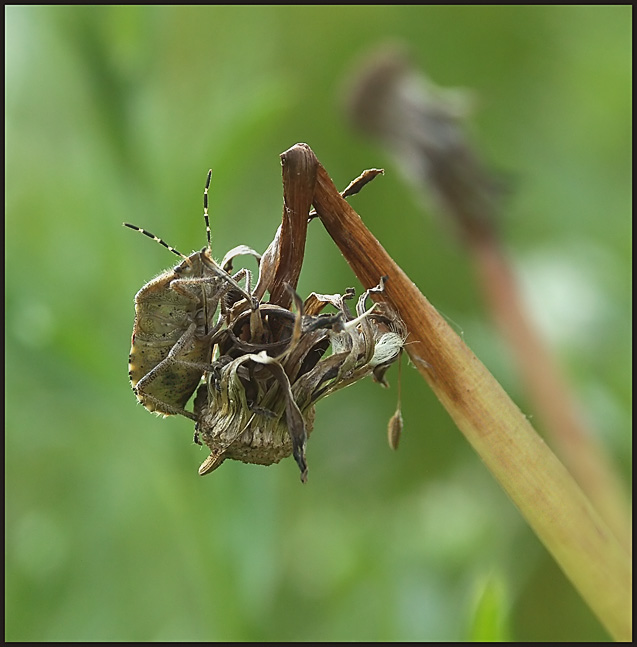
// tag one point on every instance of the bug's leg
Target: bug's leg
(244, 272)
(192, 288)
(212, 266)
(142, 388)
(189, 286)
(164, 407)
(232, 295)
(256, 324)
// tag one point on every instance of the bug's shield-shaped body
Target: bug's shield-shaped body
(172, 333)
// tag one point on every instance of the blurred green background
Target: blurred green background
(115, 114)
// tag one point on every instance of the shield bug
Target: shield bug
(174, 327)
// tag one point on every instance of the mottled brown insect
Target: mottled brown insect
(174, 327)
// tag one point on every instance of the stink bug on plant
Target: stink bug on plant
(174, 329)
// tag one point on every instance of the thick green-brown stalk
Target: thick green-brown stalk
(539, 485)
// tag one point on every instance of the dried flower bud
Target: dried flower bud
(422, 125)
(395, 429)
(258, 403)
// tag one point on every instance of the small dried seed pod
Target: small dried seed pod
(394, 429)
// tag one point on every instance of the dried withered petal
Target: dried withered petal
(239, 250)
(234, 422)
(293, 418)
(260, 405)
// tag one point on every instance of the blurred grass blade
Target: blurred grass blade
(489, 622)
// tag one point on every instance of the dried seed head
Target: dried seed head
(422, 125)
(262, 390)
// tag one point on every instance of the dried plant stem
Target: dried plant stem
(546, 494)
(423, 127)
(585, 458)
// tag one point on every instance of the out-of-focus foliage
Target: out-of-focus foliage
(116, 113)
(489, 619)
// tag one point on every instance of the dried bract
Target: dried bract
(258, 405)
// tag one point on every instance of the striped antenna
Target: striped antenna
(205, 208)
(159, 240)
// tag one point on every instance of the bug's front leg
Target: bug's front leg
(232, 281)
(190, 288)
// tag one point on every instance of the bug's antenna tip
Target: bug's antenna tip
(205, 208)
